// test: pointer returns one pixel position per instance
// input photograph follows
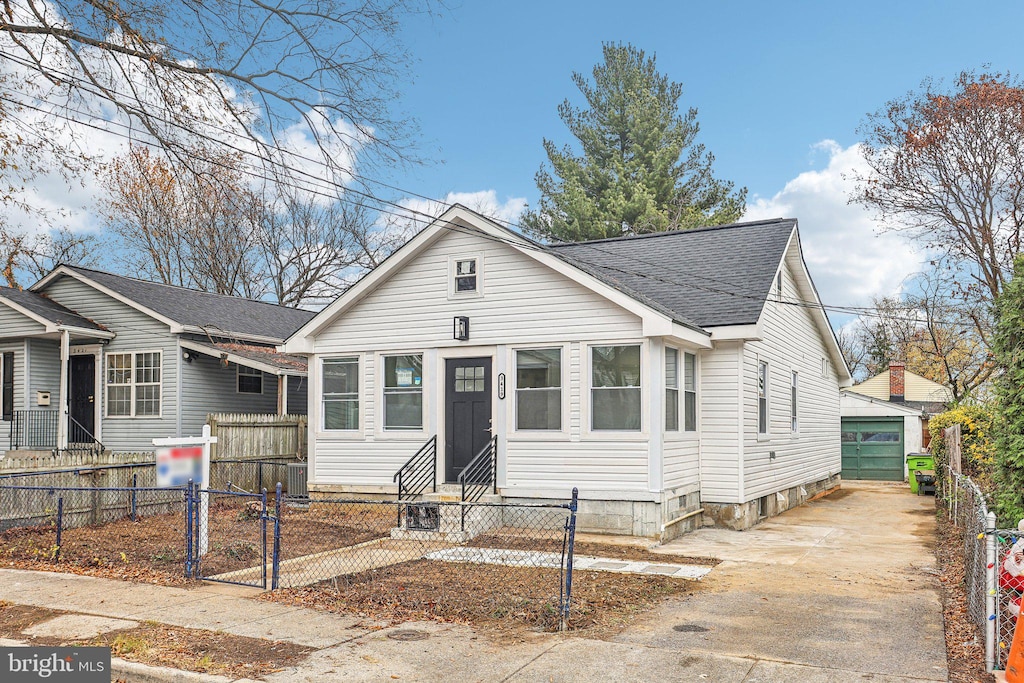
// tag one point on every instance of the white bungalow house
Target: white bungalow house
(676, 378)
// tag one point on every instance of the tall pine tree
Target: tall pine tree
(1008, 347)
(640, 169)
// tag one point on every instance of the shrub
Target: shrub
(977, 449)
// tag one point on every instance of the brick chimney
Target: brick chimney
(897, 392)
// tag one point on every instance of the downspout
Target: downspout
(62, 419)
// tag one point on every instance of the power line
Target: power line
(322, 187)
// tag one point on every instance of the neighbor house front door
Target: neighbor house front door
(82, 395)
(467, 412)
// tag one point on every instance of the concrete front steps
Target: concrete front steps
(455, 522)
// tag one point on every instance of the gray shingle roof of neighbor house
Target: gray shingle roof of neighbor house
(719, 275)
(216, 313)
(48, 309)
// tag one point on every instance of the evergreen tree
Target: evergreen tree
(640, 170)
(1008, 346)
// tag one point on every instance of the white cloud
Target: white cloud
(485, 202)
(849, 260)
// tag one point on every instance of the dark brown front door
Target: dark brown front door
(467, 412)
(82, 395)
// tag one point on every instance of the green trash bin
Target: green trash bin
(923, 462)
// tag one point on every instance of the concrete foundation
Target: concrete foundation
(741, 516)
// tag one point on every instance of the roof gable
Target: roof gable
(916, 388)
(45, 310)
(185, 309)
(657, 320)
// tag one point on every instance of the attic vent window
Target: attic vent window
(465, 275)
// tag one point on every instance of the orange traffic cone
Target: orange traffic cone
(1015, 663)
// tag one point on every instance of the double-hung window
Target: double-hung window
(762, 397)
(671, 390)
(792, 404)
(690, 392)
(539, 389)
(688, 371)
(249, 380)
(615, 398)
(134, 384)
(403, 392)
(339, 382)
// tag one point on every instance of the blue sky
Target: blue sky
(781, 89)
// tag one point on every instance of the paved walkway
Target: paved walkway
(840, 590)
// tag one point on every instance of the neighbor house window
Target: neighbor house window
(340, 391)
(133, 384)
(671, 390)
(403, 392)
(539, 389)
(792, 403)
(466, 276)
(250, 380)
(690, 392)
(778, 287)
(762, 397)
(615, 387)
(8, 386)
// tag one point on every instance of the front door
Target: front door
(467, 412)
(82, 395)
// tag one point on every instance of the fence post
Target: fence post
(277, 539)
(564, 625)
(991, 592)
(60, 528)
(188, 530)
(263, 533)
(135, 485)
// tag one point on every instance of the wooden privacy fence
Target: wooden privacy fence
(242, 436)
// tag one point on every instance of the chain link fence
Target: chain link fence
(993, 596)
(94, 527)
(418, 557)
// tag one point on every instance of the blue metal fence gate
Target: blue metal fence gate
(231, 546)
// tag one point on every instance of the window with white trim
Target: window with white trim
(339, 389)
(539, 389)
(689, 392)
(249, 380)
(403, 392)
(792, 403)
(465, 276)
(762, 397)
(671, 390)
(134, 384)
(615, 394)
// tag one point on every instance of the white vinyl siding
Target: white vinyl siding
(793, 343)
(526, 306)
(526, 303)
(720, 425)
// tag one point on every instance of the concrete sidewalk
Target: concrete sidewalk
(838, 590)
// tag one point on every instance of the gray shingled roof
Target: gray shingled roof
(711, 276)
(229, 314)
(47, 309)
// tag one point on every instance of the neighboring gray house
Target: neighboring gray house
(90, 358)
(667, 376)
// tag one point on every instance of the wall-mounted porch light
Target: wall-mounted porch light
(461, 328)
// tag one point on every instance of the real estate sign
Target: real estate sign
(176, 466)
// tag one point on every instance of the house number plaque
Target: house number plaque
(501, 385)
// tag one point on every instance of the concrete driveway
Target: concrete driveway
(846, 585)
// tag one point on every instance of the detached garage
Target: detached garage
(876, 437)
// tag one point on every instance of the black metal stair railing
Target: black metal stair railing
(34, 429)
(481, 474)
(419, 472)
(81, 439)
